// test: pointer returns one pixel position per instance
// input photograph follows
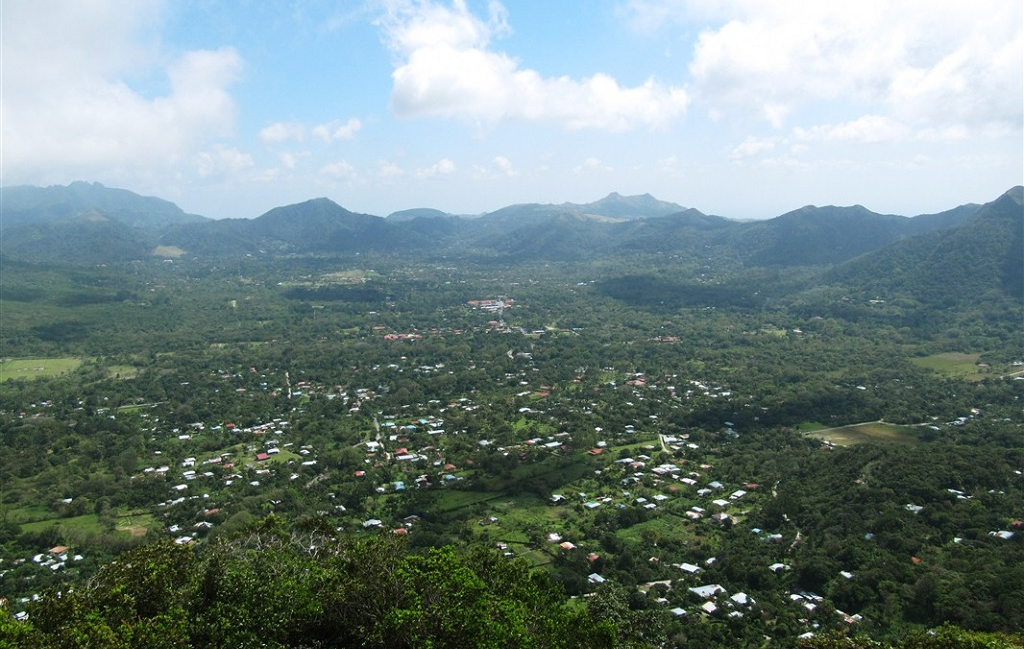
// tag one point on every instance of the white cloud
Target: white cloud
(282, 132)
(753, 146)
(446, 68)
(945, 64)
(591, 164)
(78, 93)
(279, 132)
(340, 170)
(336, 131)
(388, 169)
(443, 167)
(867, 129)
(500, 167)
(221, 160)
(504, 166)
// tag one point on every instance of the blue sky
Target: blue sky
(745, 109)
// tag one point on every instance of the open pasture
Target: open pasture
(952, 364)
(34, 368)
(866, 433)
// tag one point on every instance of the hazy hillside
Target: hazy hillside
(38, 205)
(91, 224)
(945, 268)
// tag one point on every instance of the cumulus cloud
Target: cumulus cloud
(221, 160)
(443, 167)
(867, 129)
(282, 132)
(928, 67)
(591, 164)
(445, 67)
(499, 167)
(337, 131)
(78, 90)
(387, 169)
(279, 132)
(505, 166)
(753, 146)
(340, 170)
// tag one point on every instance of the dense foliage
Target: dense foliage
(361, 450)
(266, 588)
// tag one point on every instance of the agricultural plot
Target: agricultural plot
(34, 368)
(959, 365)
(866, 433)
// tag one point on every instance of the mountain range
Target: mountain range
(87, 223)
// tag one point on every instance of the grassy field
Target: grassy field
(28, 514)
(663, 528)
(959, 365)
(122, 371)
(37, 519)
(172, 252)
(87, 523)
(136, 524)
(34, 368)
(455, 499)
(871, 432)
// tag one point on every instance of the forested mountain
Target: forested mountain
(28, 205)
(42, 223)
(983, 257)
(88, 239)
(84, 223)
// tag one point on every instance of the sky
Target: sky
(740, 108)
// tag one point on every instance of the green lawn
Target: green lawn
(122, 371)
(952, 364)
(663, 528)
(87, 523)
(872, 432)
(34, 368)
(453, 499)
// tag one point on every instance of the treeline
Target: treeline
(273, 587)
(270, 587)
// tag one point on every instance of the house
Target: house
(742, 599)
(707, 591)
(689, 568)
(595, 578)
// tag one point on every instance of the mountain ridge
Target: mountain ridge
(38, 224)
